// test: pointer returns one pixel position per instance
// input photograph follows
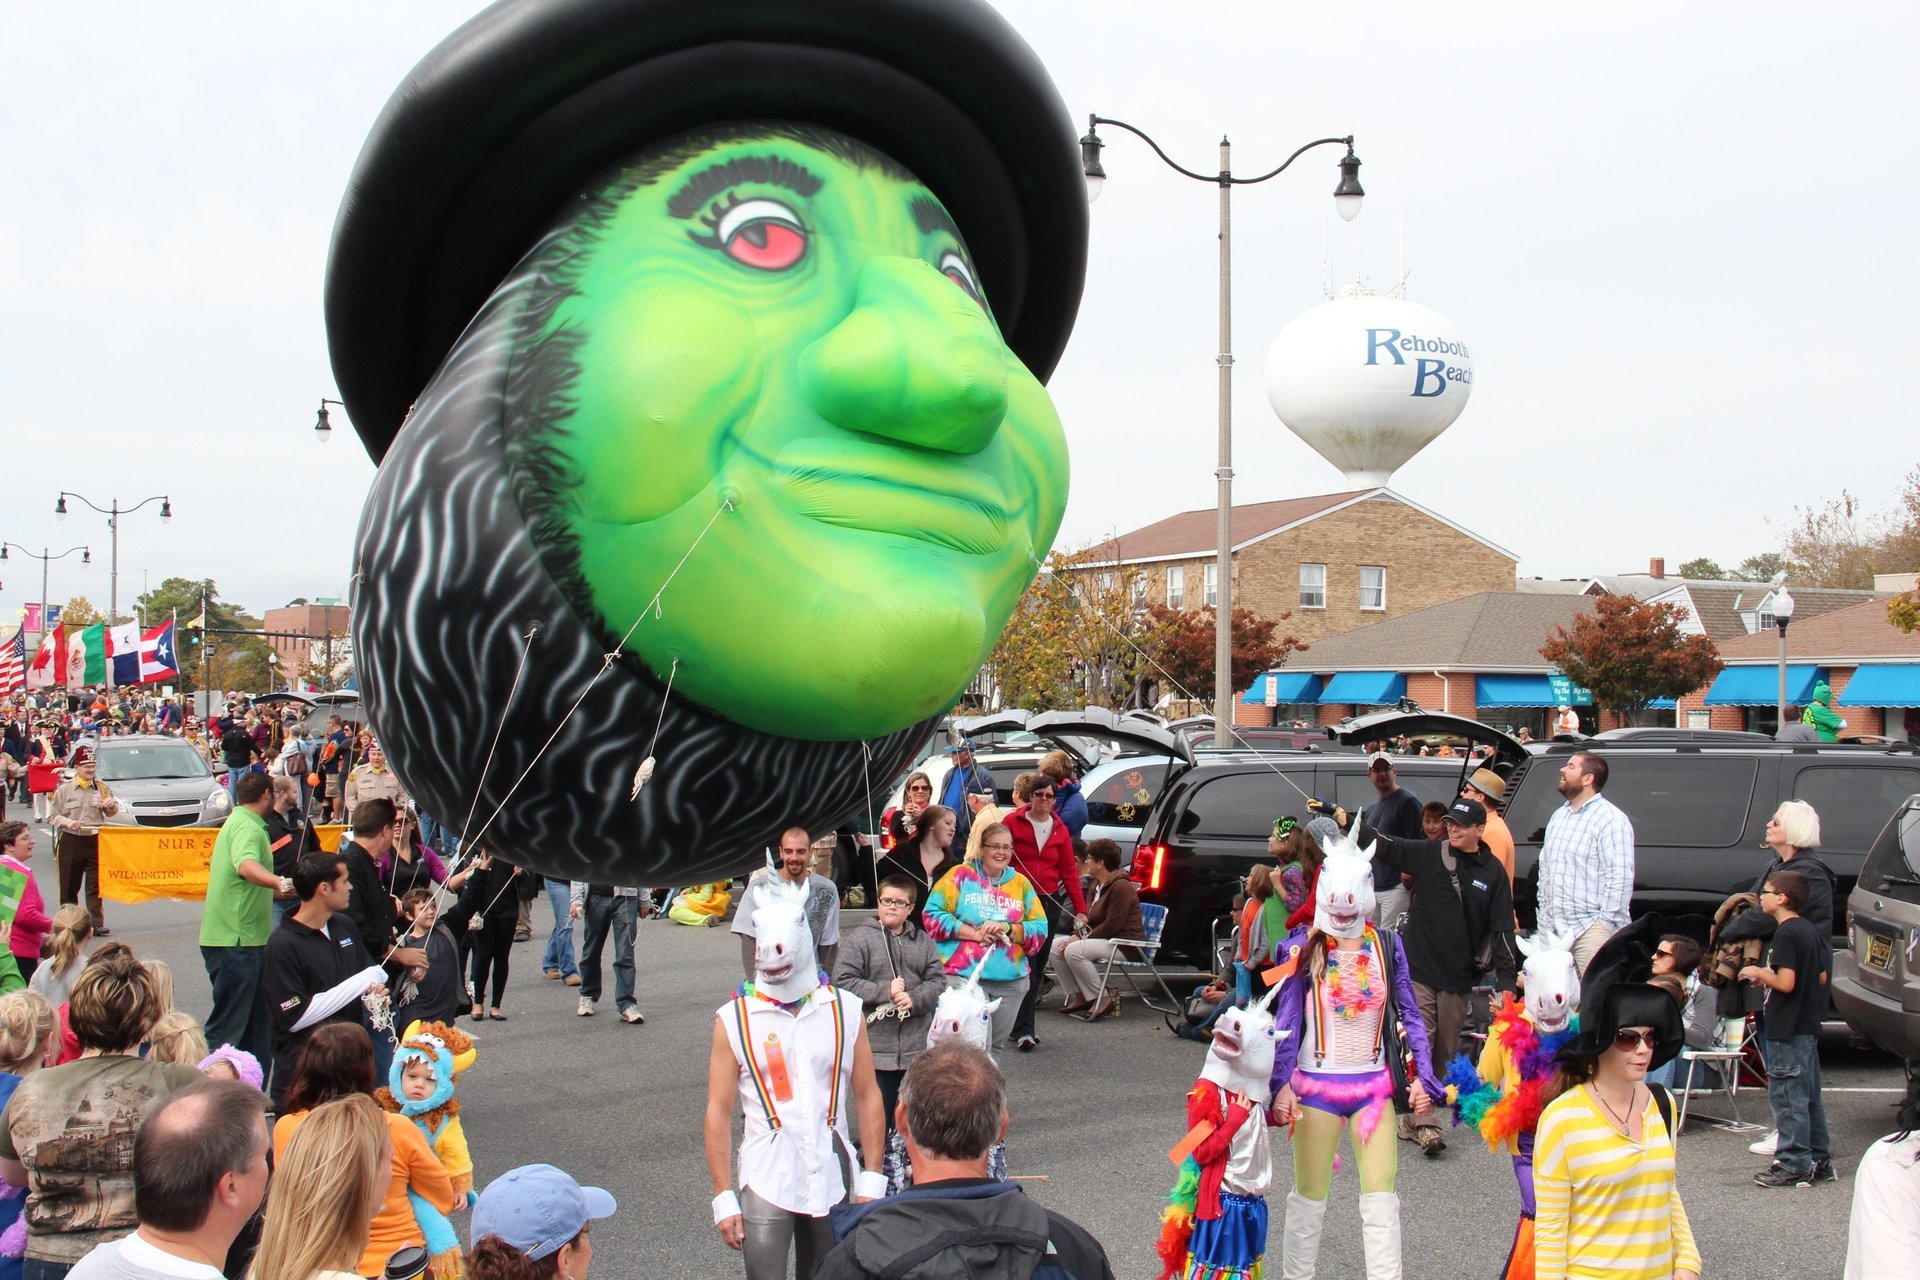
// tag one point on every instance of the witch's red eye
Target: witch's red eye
(763, 234)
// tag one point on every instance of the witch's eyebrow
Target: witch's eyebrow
(710, 182)
(929, 216)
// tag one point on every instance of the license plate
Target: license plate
(1880, 952)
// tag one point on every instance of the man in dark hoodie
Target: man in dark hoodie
(955, 1220)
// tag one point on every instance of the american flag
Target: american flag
(13, 664)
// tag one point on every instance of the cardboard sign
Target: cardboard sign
(140, 864)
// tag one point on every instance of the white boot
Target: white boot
(1380, 1234)
(1301, 1249)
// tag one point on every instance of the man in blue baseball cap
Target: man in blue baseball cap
(537, 1211)
(964, 778)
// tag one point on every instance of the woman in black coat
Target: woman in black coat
(491, 900)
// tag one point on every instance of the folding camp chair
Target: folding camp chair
(1132, 959)
(1725, 1056)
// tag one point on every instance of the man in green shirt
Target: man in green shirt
(238, 918)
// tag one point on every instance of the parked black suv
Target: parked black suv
(1699, 803)
(1210, 821)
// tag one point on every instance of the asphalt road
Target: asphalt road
(1095, 1109)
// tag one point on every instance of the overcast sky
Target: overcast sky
(1672, 235)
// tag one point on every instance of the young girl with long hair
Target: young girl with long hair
(72, 930)
(327, 1185)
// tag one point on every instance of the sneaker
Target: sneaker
(551, 975)
(1025, 1044)
(1430, 1140)
(1824, 1171)
(632, 1016)
(573, 980)
(585, 1008)
(1767, 1145)
(1779, 1175)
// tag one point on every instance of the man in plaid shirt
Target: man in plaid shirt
(1586, 863)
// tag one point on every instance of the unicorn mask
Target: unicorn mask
(1552, 980)
(1343, 900)
(785, 965)
(1240, 1059)
(966, 1012)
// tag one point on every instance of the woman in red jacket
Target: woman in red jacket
(1043, 853)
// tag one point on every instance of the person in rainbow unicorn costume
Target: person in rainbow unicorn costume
(420, 1086)
(1353, 1048)
(1502, 1097)
(1215, 1223)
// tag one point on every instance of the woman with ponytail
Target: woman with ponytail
(72, 931)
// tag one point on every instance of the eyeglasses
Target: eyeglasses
(920, 787)
(1664, 951)
(998, 848)
(1627, 1039)
(1775, 893)
(1040, 795)
(896, 902)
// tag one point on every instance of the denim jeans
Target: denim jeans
(35, 1269)
(559, 952)
(621, 916)
(1793, 1090)
(239, 1016)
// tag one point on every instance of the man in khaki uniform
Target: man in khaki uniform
(373, 781)
(80, 805)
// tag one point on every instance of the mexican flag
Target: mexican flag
(87, 656)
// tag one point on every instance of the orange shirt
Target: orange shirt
(414, 1165)
(1248, 914)
(1500, 841)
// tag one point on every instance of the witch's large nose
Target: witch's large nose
(917, 360)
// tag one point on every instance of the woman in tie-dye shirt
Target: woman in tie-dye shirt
(985, 910)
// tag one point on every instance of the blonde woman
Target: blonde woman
(327, 1186)
(26, 1038)
(177, 1037)
(72, 931)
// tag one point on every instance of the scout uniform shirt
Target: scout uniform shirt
(77, 802)
(369, 783)
(796, 1076)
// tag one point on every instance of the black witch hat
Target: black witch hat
(1615, 993)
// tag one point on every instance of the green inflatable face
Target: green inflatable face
(780, 320)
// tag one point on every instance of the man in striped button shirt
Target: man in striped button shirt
(1586, 862)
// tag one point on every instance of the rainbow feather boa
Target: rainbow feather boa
(1501, 1113)
(1176, 1220)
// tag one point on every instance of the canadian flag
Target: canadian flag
(49, 663)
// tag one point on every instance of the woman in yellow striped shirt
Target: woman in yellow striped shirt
(1608, 1206)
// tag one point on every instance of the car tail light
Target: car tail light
(1149, 865)
(887, 841)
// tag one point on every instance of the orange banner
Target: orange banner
(141, 864)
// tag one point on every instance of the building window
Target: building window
(1106, 582)
(1313, 586)
(1137, 590)
(1373, 587)
(1176, 587)
(1212, 589)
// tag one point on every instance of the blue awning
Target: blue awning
(1663, 704)
(1365, 688)
(1892, 685)
(1760, 686)
(1513, 691)
(1288, 686)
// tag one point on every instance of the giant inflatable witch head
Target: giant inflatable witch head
(705, 347)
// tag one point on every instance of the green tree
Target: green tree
(1182, 647)
(1760, 568)
(1073, 639)
(1629, 653)
(238, 659)
(1701, 567)
(1903, 611)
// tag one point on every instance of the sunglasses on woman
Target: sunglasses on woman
(1626, 1039)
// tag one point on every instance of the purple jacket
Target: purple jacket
(1290, 1015)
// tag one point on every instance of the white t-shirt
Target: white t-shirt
(1042, 828)
(1883, 1233)
(133, 1258)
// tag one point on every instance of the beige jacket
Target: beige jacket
(83, 809)
(368, 783)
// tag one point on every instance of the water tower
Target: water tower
(1369, 380)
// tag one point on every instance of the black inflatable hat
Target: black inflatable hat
(511, 115)
(1614, 992)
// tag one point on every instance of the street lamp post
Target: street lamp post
(1346, 198)
(113, 514)
(1782, 614)
(323, 425)
(44, 556)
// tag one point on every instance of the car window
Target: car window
(1126, 794)
(1892, 867)
(1701, 801)
(1004, 776)
(1854, 802)
(1353, 790)
(1242, 805)
(160, 760)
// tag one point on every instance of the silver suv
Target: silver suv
(1876, 984)
(161, 782)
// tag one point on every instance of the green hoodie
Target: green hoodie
(1820, 715)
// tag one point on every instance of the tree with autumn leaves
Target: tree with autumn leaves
(1630, 653)
(1181, 641)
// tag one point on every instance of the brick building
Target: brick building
(1478, 656)
(1336, 561)
(319, 620)
(1871, 665)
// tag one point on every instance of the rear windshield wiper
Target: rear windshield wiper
(1898, 880)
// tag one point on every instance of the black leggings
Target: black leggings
(492, 949)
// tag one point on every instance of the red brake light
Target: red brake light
(1149, 865)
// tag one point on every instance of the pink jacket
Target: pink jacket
(31, 922)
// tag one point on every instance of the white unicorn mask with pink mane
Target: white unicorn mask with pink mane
(1552, 980)
(966, 1012)
(785, 965)
(1343, 900)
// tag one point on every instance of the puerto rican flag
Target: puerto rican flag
(157, 660)
(13, 664)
